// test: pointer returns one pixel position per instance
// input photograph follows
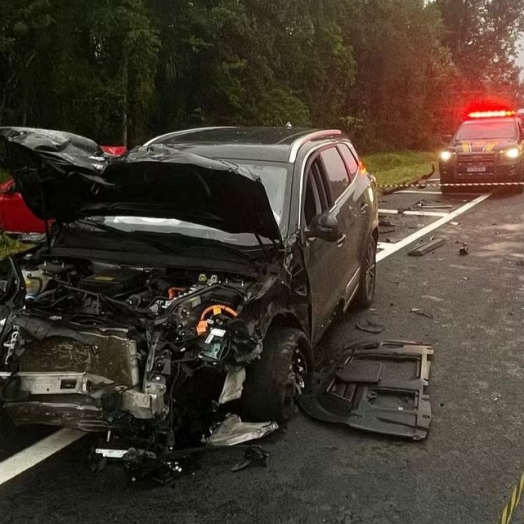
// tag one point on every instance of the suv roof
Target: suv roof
(279, 144)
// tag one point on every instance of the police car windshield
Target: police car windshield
(488, 130)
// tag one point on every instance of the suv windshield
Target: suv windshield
(485, 130)
(273, 175)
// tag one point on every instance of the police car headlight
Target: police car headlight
(446, 156)
(514, 152)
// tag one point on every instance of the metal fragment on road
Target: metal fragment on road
(233, 431)
(421, 313)
(426, 248)
(370, 327)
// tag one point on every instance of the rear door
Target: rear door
(332, 267)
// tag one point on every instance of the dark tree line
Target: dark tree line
(393, 73)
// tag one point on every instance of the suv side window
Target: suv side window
(316, 199)
(336, 172)
(350, 159)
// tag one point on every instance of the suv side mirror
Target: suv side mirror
(324, 226)
(10, 190)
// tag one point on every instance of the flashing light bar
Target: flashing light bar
(491, 114)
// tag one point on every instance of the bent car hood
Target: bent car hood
(66, 177)
(483, 146)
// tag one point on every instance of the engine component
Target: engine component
(56, 268)
(214, 315)
(36, 282)
(113, 282)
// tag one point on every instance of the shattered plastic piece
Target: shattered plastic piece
(453, 223)
(233, 431)
(421, 313)
(370, 327)
(233, 385)
(379, 387)
(464, 251)
(426, 248)
(385, 222)
(254, 456)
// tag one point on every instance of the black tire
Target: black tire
(271, 382)
(368, 276)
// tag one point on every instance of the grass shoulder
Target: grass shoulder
(400, 167)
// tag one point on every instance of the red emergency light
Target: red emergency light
(492, 114)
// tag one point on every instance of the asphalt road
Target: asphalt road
(463, 473)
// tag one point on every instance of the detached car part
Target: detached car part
(380, 387)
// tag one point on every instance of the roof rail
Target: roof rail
(311, 136)
(174, 134)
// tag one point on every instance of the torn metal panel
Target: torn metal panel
(233, 431)
(233, 385)
(379, 387)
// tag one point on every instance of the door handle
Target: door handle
(364, 207)
(341, 240)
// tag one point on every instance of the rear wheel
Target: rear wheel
(273, 381)
(368, 276)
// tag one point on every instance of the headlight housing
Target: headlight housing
(513, 152)
(446, 156)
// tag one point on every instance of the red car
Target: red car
(15, 217)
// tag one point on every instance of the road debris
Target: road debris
(426, 248)
(454, 223)
(422, 313)
(370, 327)
(424, 205)
(520, 263)
(463, 251)
(385, 222)
(381, 387)
(253, 456)
(233, 431)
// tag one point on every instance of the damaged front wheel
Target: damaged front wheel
(274, 380)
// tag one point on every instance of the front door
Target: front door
(332, 267)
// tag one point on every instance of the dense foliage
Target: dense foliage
(393, 73)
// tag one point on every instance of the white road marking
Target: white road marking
(30, 457)
(431, 227)
(419, 192)
(412, 213)
(38, 452)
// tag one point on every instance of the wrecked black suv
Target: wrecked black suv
(187, 279)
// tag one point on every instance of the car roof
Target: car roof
(276, 144)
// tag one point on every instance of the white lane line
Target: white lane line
(412, 213)
(418, 192)
(38, 452)
(428, 229)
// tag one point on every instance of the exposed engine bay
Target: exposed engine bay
(147, 352)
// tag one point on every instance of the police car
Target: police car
(487, 148)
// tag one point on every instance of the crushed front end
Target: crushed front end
(144, 352)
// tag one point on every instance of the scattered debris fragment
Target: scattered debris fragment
(520, 263)
(453, 223)
(426, 248)
(385, 222)
(421, 313)
(463, 251)
(233, 431)
(379, 387)
(423, 205)
(253, 456)
(370, 327)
